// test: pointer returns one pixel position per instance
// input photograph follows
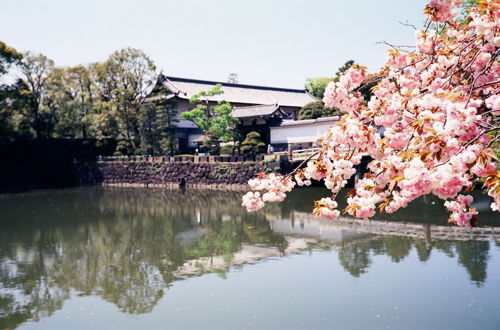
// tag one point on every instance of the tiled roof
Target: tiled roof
(238, 93)
(158, 98)
(309, 121)
(257, 111)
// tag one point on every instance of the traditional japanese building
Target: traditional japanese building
(260, 118)
(257, 107)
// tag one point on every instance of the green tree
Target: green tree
(14, 111)
(317, 86)
(35, 69)
(8, 56)
(366, 86)
(124, 79)
(317, 109)
(71, 96)
(216, 120)
(158, 122)
(252, 144)
(10, 96)
(347, 65)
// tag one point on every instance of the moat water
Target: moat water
(95, 258)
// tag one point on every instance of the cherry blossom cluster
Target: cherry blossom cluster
(462, 213)
(431, 125)
(275, 186)
(252, 201)
(340, 95)
(442, 10)
(326, 208)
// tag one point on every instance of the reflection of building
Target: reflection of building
(259, 107)
(346, 228)
(248, 253)
(260, 118)
(318, 229)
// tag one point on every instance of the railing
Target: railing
(296, 155)
(182, 158)
(299, 155)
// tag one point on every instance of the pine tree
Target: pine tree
(252, 144)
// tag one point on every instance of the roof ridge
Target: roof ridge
(226, 84)
(257, 105)
(177, 88)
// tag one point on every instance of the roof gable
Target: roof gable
(257, 111)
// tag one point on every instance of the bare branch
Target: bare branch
(408, 24)
(302, 163)
(397, 47)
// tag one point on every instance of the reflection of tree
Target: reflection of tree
(123, 245)
(12, 313)
(397, 247)
(355, 258)
(444, 246)
(260, 232)
(126, 246)
(423, 249)
(474, 257)
(222, 238)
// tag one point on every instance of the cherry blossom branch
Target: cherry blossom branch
(396, 47)
(407, 24)
(487, 84)
(493, 140)
(438, 105)
(303, 162)
(471, 142)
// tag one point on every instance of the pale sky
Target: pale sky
(267, 42)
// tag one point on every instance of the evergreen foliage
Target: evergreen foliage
(215, 121)
(252, 144)
(317, 109)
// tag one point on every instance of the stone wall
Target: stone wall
(170, 172)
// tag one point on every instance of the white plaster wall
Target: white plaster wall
(298, 133)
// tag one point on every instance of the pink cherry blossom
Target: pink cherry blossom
(429, 126)
(252, 201)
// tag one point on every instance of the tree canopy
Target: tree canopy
(317, 109)
(8, 56)
(213, 118)
(252, 144)
(96, 100)
(317, 86)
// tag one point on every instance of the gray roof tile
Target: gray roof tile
(239, 93)
(257, 111)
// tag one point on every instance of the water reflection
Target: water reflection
(356, 258)
(127, 246)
